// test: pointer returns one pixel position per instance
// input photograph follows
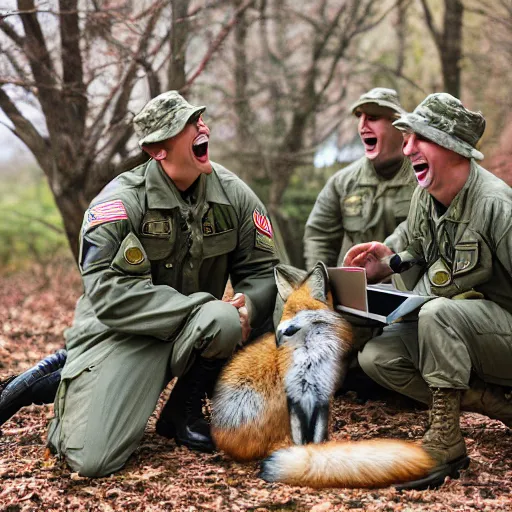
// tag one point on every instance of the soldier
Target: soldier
(157, 247)
(457, 245)
(369, 198)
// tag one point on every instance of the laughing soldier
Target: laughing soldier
(368, 199)
(157, 247)
(456, 245)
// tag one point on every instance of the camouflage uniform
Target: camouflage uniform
(357, 205)
(462, 253)
(154, 263)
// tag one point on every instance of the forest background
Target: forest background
(278, 77)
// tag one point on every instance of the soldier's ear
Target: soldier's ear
(156, 151)
(287, 279)
(317, 281)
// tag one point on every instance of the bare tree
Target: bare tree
(448, 41)
(290, 76)
(85, 66)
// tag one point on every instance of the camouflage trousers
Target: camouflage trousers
(451, 340)
(101, 410)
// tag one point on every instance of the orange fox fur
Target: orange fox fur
(251, 419)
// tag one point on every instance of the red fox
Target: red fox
(272, 400)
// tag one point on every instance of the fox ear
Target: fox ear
(287, 279)
(317, 281)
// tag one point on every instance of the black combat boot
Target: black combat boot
(38, 385)
(443, 441)
(182, 417)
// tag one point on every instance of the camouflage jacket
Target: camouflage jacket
(355, 206)
(148, 256)
(467, 247)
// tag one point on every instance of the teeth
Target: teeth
(200, 139)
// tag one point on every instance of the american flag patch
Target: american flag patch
(109, 211)
(262, 223)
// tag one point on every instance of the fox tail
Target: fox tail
(358, 464)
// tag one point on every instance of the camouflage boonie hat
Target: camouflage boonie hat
(164, 117)
(443, 119)
(380, 97)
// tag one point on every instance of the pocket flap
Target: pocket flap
(466, 257)
(219, 243)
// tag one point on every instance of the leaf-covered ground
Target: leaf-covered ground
(34, 311)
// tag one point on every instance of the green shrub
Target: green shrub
(31, 229)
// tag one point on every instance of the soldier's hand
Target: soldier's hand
(356, 254)
(244, 323)
(370, 256)
(239, 302)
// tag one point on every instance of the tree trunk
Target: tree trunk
(179, 34)
(451, 46)
(72, 210)
(241, 103)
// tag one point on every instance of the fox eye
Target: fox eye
(291, 330)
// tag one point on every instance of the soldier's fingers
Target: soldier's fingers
(360, 260)
(354, 252)
(244, 322)
(238, 300)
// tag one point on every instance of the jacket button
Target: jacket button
(168, 265)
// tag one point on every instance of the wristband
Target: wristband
(398, 266)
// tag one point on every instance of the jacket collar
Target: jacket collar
(161, 192)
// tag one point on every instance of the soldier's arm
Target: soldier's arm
(117, 280)
(253, 260)
(324, 228)
(502, 231)
(405, 239)
(399, 239)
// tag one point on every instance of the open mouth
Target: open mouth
(200, 147)
(419, 168)
(422, 171)
(370, 143)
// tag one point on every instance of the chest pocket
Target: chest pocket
(472, 267)
(219, 243)
(466, 257)
(354, 209)
(157, 235)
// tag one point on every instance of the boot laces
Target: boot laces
(444, 413)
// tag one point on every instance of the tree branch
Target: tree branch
(10, 32)
(24, 129)
(430, 24)
(72, 72)
(216, 43)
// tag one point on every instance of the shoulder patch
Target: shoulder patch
(262, 223)
(101, 213)
(264, 234)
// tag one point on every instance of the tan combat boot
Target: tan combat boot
(489, 400)
(443, 440)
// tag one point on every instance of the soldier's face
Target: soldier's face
(187, 152)
(382, 141)
(432, 163)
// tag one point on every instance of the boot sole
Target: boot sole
(436, 478)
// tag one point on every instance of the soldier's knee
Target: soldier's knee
(224, 332)
(92, 463)
(368, 358)
(81, 464)
(435, 310)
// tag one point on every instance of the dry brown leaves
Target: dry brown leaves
(161, 476)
